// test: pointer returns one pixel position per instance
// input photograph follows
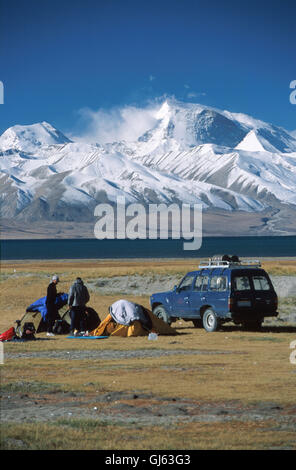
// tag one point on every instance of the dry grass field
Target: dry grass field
(231, 389)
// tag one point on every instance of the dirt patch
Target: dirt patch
(109, 354)
(137, 408)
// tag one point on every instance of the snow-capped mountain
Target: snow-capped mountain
(193, 154)
(30, 138)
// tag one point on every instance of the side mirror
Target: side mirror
(175, 289)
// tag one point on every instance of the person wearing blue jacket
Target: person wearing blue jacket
(77, 299)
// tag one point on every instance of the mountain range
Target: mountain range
(237, 167)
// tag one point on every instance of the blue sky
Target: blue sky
(58, 57)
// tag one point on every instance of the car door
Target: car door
(264, 294)
(195, 296)
(218, 293)
(181, 296)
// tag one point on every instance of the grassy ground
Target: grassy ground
(234, 370)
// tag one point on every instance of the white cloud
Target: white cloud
(151, 78)
(194, 94)
(117, 124)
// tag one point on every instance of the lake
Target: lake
(103, 249)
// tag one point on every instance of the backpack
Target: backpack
(8, 335)
(60, 327)
(28, 331)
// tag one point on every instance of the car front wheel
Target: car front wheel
(210, 320)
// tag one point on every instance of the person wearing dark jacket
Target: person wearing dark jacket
(52, 310)
(77, 299)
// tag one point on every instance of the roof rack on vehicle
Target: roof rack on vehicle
(220, 261)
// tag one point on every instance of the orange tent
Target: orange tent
(108, 327)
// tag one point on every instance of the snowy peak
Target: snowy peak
(260, 140)
(192, 124)
(29, 138)
(182, 126)
(273, 138)
(251, 143)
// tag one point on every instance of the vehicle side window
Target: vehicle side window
(213, 283)
(198, 283)
(186, 283)
(218, 283)
(260, 283)
(241, 283)
(222, 283)
(205, 281)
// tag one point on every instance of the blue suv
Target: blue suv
(222, 290)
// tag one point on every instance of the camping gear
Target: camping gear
(28, 331)
(109, 327)
(61, 327)
(153, 336)
(36, 313)
(32, 317)
(8, 335)
(87, 337)
(40, 304)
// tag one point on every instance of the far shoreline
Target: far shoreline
(164, 260)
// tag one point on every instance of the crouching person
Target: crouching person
(77, 299)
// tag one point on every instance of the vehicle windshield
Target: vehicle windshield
(186, 283)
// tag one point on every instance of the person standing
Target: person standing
(77, 299)
(51, 307)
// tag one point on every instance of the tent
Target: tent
(118, 324)
(36, 313)
(92, 318)
(40, 304)
(126, 313)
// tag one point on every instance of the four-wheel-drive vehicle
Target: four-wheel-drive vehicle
(222, 290)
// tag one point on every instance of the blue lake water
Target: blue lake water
(102, 249)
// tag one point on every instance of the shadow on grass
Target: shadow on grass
(264, 329)
(236, 328)
(20, 340)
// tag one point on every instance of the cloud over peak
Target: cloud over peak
(116, 124)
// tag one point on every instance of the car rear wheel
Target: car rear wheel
(210, 320)
(160, 312)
